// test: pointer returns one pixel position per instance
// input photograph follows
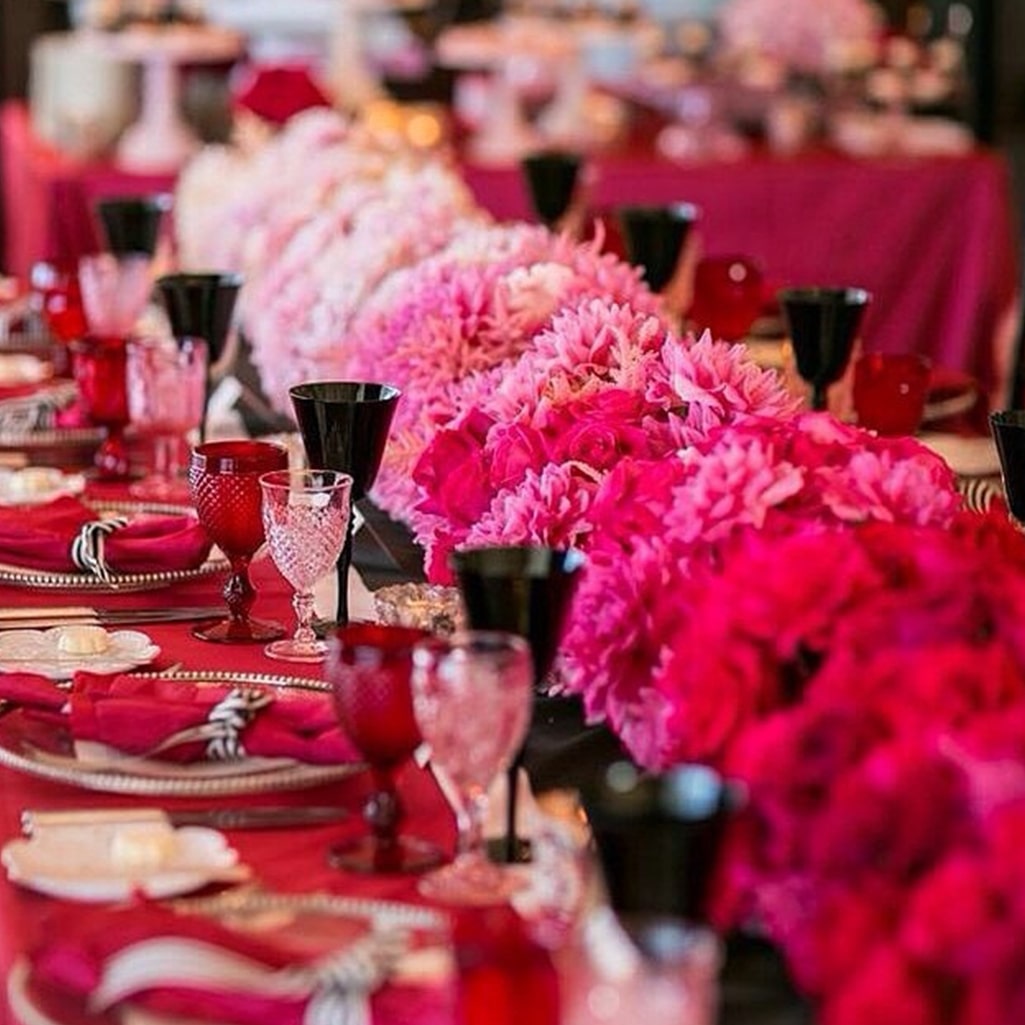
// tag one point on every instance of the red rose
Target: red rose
(452, 471)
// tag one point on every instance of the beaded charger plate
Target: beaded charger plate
(38, 749)
(21, 576)
(408, 941)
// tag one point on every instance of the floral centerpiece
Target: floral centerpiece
(826, 36)
(882, 845)
(226, 196)
(524, 462)
(435, 327)
(670, 671)
(298, 312)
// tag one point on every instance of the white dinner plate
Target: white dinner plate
(108, 861)
(35, 485)
(41, 651)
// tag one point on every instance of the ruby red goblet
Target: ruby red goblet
(370, 669)
(224, 482)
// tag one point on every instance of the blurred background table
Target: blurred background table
(932, 238)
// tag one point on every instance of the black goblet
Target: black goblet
(654, 237)
(551, 181)
(658, 839)
(131, 224)
(527, 591)
(1008, 427)
(201, 305)
(822, 324)
(344, 426)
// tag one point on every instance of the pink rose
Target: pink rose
(512, 450)
(887, 991)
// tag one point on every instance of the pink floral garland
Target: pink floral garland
(605, 382)
(434, 328)
(882, 844)
(644, 647)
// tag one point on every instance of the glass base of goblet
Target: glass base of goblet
(238, 631)
(408, 854)
(471, 880)
(291, 650)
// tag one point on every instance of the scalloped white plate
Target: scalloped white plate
(38, 651)
(35, 485)
(105, 861)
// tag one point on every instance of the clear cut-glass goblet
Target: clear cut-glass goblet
(472, 694)
(224, 482)
(306, 520)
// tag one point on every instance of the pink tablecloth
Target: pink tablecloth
(283, 860)
(932, 238)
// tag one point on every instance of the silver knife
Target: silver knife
(256, 817)
(27, 617)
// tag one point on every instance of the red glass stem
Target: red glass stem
(383, 812)
(111, 459)
(239, 592)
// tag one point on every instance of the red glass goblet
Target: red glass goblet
(224, 482)
(889, 391)
(98, 364)
(370, 668)
(728, 296)
(59, 299)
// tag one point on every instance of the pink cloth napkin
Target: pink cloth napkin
(136, 715)
(169, 963)
(148, 543)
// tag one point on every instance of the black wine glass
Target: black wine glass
(654, 237)
(551, 178)
(201, 305)
(131, 224)
(658, 839)
(523, 590)
(822, 324)
(1008, 427)
(344, 426)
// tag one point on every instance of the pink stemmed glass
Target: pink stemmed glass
(472, 694)
(98, 364)
(224, 482)
(306, 520)
(370, 667)
(166, 382)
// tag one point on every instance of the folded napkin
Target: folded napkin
(66, 536)
(176, 721)
(196, 967)
(278, 92)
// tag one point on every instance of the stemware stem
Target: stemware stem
(470, 810)
(303, 604)
(342, 572)
(383, 813)
(819, 397)
(238, 590)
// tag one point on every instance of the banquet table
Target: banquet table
(294, 860)
(932, 238)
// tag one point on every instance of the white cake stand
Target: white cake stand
(160, 140)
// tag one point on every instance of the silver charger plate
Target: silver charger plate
(20, 576)
(24, 750)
